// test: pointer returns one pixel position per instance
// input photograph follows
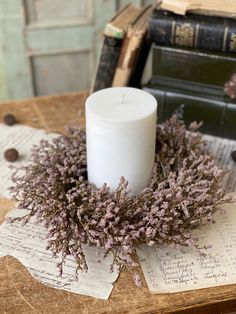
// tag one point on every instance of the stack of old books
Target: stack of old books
(194, 56)
(124, 49)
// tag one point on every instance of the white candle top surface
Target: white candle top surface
(120, 104)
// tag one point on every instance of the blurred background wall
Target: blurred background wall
(51, 46)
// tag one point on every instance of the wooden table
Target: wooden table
(21, 294)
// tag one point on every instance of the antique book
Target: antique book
(131, 48)
(193, 31)
(142, 65)
(209, 7)
(200, 102)
(193, 65)
(111, 46)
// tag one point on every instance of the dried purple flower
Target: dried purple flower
(137, 280)
(184, 191)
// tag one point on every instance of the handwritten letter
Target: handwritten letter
(22, 138)
(170, 270)
(28, 244)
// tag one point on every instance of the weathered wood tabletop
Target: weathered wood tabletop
(21, 294)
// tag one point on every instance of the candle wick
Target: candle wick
(122, 99)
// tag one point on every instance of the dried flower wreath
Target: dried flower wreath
(184, 191)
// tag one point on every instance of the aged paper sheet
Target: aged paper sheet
(222, 149)
(21, 138)
(212, 7)
(165, 270)
(27, 243)
(168, 270)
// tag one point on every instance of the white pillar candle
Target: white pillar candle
(121, 136)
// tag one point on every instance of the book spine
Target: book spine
(193, 65)
(193, 31)
(107, 64)
(218, 117)
(127, 60)
(136, 77)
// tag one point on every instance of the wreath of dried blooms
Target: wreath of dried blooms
(185, 190)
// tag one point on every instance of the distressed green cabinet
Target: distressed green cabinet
(51, 47)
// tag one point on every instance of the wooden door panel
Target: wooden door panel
(42, 40)
(63, 52)
(122, 3)
(39, 37)
(146, 2)
(15, 69)
(61, 73)
(40, 11)
(3, 81)
(125, 2)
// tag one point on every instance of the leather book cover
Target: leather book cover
(111, 48)
(112, 42)
(208, 105)
(193, 65)
(131, 48)
(193, 31)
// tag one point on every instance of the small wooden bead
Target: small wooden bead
(9, 119)
(11, 154)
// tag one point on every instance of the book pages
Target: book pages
(222, 148)
(165, 269)
(21, 138)
(209, 7)
(168, 270)
(27, 243)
